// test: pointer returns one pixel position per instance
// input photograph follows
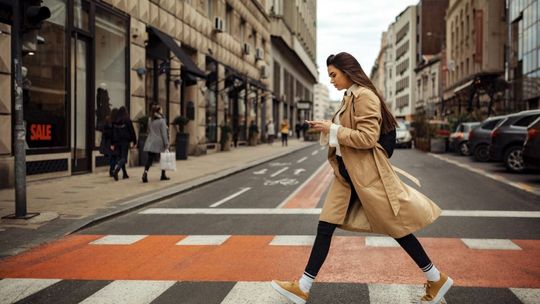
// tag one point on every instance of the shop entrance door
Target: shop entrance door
(80, 148)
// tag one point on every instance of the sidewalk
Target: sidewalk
(68, 204)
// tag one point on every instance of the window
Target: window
(44, 83)
(525, 121)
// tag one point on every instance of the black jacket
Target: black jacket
(123, 132)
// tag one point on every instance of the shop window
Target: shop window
(110, 65)
(211, 101)
(44, 83)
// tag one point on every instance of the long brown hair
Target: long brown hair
(346, 63)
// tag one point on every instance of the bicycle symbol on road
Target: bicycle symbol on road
(283, 181)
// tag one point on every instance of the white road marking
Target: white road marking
(388, 293)
(298, 171)
(253, 292)
(527, 295)
(301, 159)
(303, 184)
(192, 240)
(381, 241)
(315, 152)
(118, 240)
(293, 240)
(283, 181)
(279, 172)
(230, 197)
(13, 290)
(279, 164)
(133, 292)
(323, 148)
(262, 171)
(310, 211)
(492, 244)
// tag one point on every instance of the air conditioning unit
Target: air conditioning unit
(264, 72)
(218, 24)
(246, 49)
(259, 54)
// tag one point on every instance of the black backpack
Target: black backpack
(387, 140)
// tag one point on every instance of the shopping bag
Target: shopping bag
(167, 161)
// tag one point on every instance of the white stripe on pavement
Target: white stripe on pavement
(279, 171)
(310, 211)
(118, 239)
(192, 240)
(13, 290)
(527, 295)
(284, 202)
(230, 197)
(133, 292)
(301, 159)
(293, 240)
(493, 244)
(315, 152)
(253, 292)
(381, 241)
(388, 293)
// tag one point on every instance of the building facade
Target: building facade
(523, 71)
(293, 62)
(206, 60)
(401, 60)
(377, 71)
(321, 102)
(475, 42)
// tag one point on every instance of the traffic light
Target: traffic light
(33, 15)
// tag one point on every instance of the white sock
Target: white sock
(432, 273)
(305, 282)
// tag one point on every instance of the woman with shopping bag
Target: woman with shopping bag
(157, 140)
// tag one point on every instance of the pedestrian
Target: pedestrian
(106, 140)
(123, 137)
(284, 129)
(253, 133)
(270, 132)
(297, 129)
(305, 128)
(157, 140)
(379, 202)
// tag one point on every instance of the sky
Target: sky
(355, 27)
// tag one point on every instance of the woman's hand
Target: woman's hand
(320, 125)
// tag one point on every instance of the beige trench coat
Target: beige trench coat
(387, 205)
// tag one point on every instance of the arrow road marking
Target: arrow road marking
(279, 171)
(230, 197)
(263, 171)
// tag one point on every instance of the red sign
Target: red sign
(40, 131)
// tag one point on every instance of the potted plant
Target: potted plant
(225, 139)
(182, 138)
(143, 134)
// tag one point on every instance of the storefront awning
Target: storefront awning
(463, 86)
(187, 63)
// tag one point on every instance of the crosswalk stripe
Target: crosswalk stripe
(133, 292)
(13, 290)
(118, 240)
(293, 240)
(310, 211)
(527, 295)
(252, 292)
(493, 244)
(388, 293)
(192, 240)
(381, 241)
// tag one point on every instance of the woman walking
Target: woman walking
(157, 140)
(284, 129)
(366, 194)
(106, 140)
(123, 134)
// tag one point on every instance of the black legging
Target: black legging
(325, 231)
(122, 148)
(150, 159)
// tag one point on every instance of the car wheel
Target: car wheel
(481, 153)
(464, 148)
(513, 159)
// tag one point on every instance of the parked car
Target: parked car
(403, 135)
(459, 139)
(480, 138)
(508, 137)
(531, 148)
(442, 131)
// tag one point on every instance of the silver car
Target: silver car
(403, 135)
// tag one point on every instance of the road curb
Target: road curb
(151, 197)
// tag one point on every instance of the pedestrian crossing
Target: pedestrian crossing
(26, 290)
